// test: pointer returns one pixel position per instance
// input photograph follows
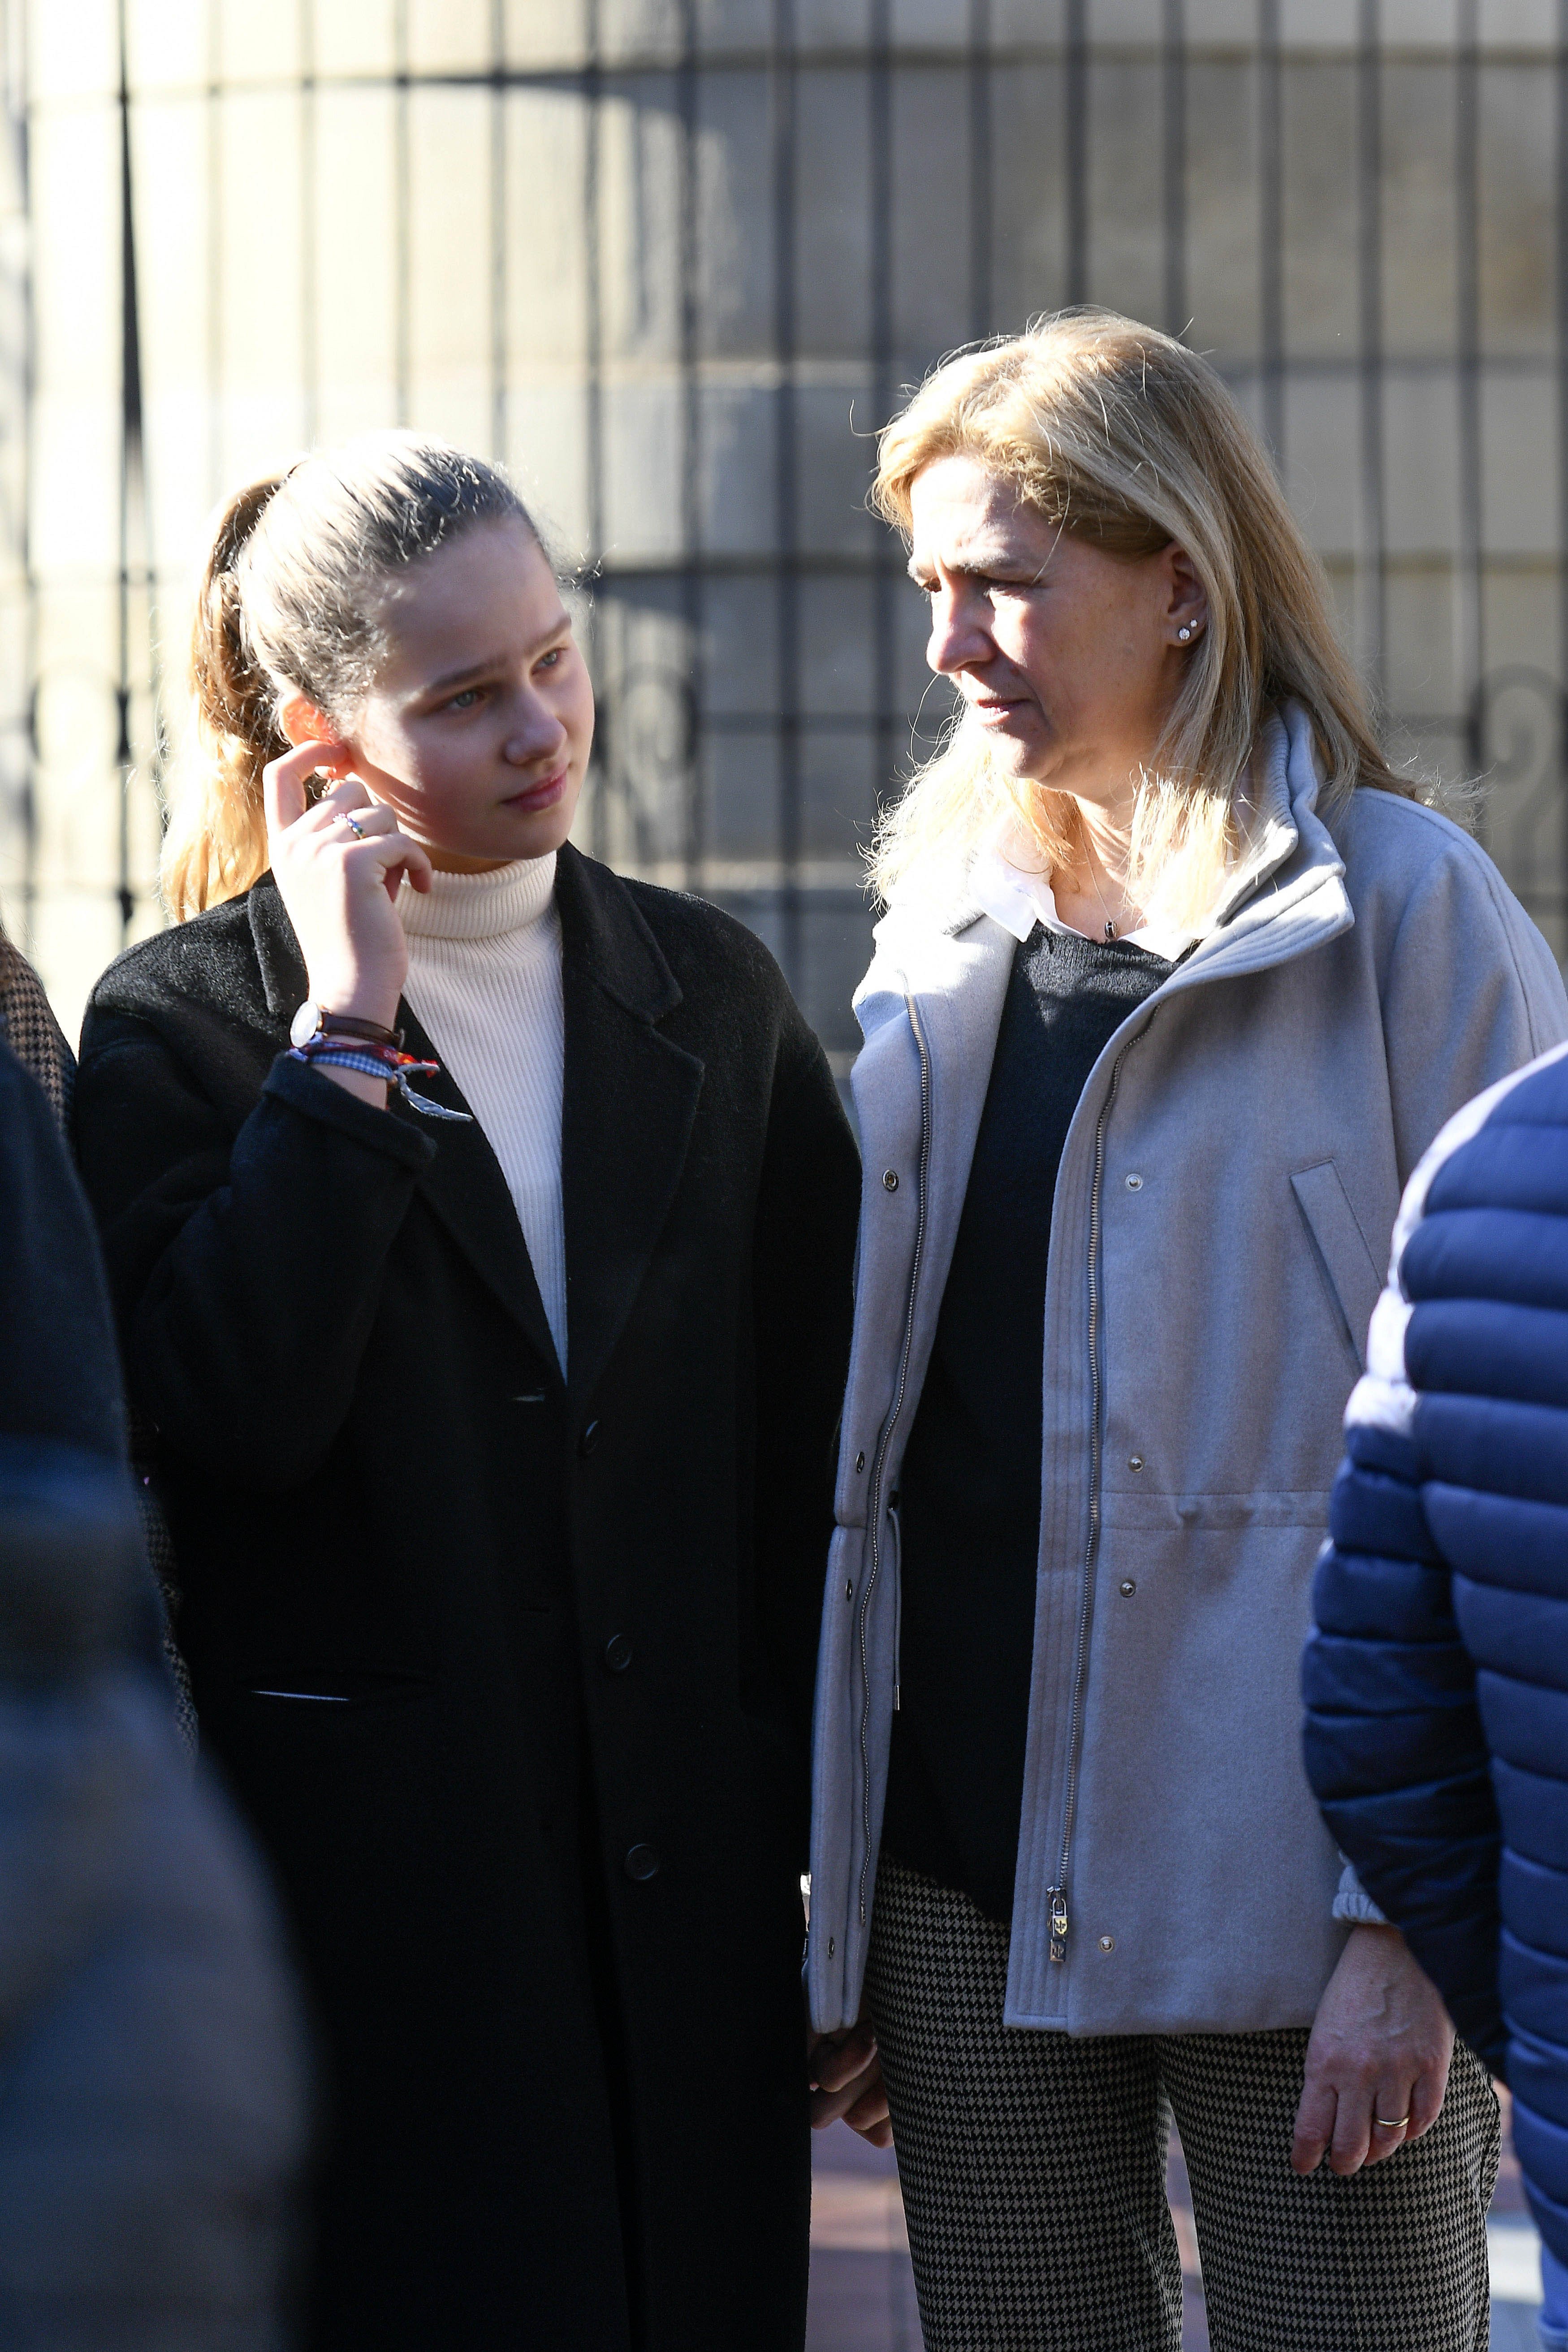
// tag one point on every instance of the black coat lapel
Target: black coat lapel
(631, 1095)
(463, 1183)
(464, 1186)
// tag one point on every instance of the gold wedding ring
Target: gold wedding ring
(1383, 2123)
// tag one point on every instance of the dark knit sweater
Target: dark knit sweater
(970, 1501)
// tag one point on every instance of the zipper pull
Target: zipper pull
(1059, 1924)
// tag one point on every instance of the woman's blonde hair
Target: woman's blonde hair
(292, 599)
(1122, 437)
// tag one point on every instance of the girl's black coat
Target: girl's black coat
(513, 1676)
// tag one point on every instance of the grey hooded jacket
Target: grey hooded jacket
(1220, 1230)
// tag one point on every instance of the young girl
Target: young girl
(493, 1332)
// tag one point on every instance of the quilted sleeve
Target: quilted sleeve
(1393, 1743)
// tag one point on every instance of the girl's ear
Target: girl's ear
(303, 723)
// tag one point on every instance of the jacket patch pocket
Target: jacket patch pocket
(1350, 1273)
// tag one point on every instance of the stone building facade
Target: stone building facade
(673, 259)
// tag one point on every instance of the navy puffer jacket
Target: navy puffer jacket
(1437, 1680)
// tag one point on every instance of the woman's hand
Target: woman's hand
(846, 2078)
(1378, 2053)
(339, 879)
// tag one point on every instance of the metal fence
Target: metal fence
(674, 259)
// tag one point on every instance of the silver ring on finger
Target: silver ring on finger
(354, 824)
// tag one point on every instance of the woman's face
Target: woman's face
(479, 727)
(1067, 657)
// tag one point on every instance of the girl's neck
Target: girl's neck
(452, 861)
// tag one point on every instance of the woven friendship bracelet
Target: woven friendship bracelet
(379, 1062)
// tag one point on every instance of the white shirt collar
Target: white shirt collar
(1019, 898)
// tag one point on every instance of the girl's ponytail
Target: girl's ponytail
(215, 846)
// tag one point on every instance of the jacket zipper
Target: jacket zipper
(883, 1443)
(1058, 1895)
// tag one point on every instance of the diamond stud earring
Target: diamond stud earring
(1184, 633)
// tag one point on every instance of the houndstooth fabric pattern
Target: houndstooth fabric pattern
(1033, 2167)
(30, 1029)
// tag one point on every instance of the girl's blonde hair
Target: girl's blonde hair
(1122, 437)
(292, 599)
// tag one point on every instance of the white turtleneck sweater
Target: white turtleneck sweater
(484, 978)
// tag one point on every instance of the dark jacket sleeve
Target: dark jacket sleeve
(59, 1373)
(246, 1263)
(804, 1266)
(1393, 1743)
(1437, 1680)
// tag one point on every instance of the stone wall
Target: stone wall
(673, 259)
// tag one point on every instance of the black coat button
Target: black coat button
(589, 1438)
(618, 1654)
(642, 1863)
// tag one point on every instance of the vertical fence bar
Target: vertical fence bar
(1075, 148)
(594, 403)
(879, 303)
(1271, 226)
(215, 269)
(401, 200)
(786, 518)
(130, 474)
(691, 584)
(497, 230)
(19, 60)
(980, 166)
(1371, 584)
(1560, 280)
(310, 341)
(1174, 160)
(1469, 646)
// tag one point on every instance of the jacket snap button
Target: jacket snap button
(589, 1438)
(1135, 1183)
(642, 1863)
(848, 1591)
(859, 1462)
(1108, 1943)
(831, 1947)
(890, 1179)
(1135, 1462)
(1128, 1587)
(618, 1654)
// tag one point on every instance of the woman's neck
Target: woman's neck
(1092, 891)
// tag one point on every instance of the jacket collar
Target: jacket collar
(283, 979)
(1288, 894)
(629, 1100)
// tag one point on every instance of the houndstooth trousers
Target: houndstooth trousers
(1033, 2167)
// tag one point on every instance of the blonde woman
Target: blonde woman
(1175, 984)
(479, 1226)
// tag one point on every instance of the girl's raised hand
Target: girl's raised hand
(337, 866)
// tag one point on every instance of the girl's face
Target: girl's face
(478, 729)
